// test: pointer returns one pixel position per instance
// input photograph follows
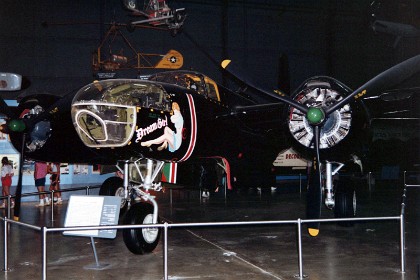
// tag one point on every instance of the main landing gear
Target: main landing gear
(340, 195)
(133, 188)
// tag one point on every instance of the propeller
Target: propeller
(21, 128)
(316, 116)
(226, 64)
(14, 125)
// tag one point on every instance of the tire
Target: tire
(144, 240)
(113, 186)
(345, 203)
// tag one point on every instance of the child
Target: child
(54, 170)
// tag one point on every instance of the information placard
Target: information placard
(84, 210)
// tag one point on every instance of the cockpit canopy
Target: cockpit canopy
(190, 80)
(104, 112)
(125, 92)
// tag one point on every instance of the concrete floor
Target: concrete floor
(368, 250)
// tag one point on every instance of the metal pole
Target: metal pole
(44, 253)
(126, 181)
(52, 206)
(402, 236)
(8, 206)
(5, 267)
(300, 248)
(94, 251)
(165, 250)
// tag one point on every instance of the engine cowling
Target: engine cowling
(320, 92)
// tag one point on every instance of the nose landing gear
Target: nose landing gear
(134, 186)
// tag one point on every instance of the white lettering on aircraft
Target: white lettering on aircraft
(160, 123)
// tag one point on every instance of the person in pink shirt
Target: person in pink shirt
(6, 179)
(41, 170)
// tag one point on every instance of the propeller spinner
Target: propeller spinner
(317, 94)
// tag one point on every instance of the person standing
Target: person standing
(39, 176)
(6, 179)
(54, 170)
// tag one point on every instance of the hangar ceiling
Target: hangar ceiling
(51, 42)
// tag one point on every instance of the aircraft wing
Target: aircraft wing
(395, 104)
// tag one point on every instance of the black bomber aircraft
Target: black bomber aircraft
(185, 116)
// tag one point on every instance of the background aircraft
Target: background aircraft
(183, 115)
(386, 19)
(155, 13)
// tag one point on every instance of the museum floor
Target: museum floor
(367, 250)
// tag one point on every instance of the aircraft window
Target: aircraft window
(103, 125)
(92, 126)
(211, 91)
(139, 94)
(187, 80)
(126, 92)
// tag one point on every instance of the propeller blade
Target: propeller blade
(226, 64)
(314, 195)
(18, 195)
(257, 107)
(391, 77)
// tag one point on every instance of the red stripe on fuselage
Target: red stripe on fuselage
(173, 171)
(193, 128)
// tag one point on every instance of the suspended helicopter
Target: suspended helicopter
(181, 116)
(155, 13)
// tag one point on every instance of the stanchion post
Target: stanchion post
(5, 267)
(52, 206)
(402, 236)
(299, 224)
(165, 250)
(44, 253)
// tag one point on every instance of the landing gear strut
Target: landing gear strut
(339, 194)
(138, 179)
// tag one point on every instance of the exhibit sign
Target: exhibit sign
(290, 158)
(84, 210)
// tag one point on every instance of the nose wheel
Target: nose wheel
(141, 240)
(144, 240)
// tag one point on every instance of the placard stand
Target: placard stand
(96, 265)
(93, 211)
